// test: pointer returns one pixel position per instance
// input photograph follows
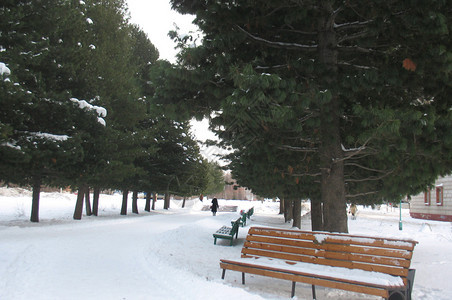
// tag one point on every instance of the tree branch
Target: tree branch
(297, 149)
(352, 25)
(355, 66)
(355, 49)
(365, 168)
(361, 194)
(353, 36)
(280, 45)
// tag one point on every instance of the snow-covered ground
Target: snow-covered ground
(169, 254)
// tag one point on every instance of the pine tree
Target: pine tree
(46, 138)
(359, 87)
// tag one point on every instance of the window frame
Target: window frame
(427, 198)
(439, 195)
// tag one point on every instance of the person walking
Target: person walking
(353, 211)
(214, 206)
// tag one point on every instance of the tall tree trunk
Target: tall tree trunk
(148, 201)
(288, 210)
(166, 205)
(135, 202)
(125, 194)
(96, 193)
(79, 203)
(281, 206)
(35, 199)
(330, 150)
(183, 203)
(87, 202)
(154, 199)
(316, 215)
(296, 213)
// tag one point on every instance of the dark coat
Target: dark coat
(214, 206)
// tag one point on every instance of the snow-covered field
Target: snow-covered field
(169, 254)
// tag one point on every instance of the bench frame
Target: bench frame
(383, 255)
(250, 212)
(226, 232)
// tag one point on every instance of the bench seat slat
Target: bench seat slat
(308, 280)
(343, 280)
(354, 276)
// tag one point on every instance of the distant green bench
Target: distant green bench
(250, 212)
(226, 232)
(242, 220)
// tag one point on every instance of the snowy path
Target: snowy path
(171, 255)
(110, 259)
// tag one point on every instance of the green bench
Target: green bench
(250, 212)
(226, 232)
(242, 220)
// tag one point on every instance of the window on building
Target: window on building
(439, 195)
(427, 197)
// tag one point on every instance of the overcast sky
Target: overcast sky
(156, 19)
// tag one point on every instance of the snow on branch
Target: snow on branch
(49, 136)
(101, 112)
(4, 70)
(352, 149)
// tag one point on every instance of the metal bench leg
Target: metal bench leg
(214, 240)
(222, 274)
(411, 273)
(293, 289)
(243, 278)
(313, 292)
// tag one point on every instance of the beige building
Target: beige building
(435, 204)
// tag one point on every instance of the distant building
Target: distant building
(434, 204)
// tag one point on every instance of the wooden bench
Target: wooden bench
(362, 264)
(226, 232)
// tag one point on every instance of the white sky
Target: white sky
(156, 18)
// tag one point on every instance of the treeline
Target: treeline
(77, 108)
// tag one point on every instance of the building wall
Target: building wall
(441, 211)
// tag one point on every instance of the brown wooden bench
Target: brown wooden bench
(362, 264)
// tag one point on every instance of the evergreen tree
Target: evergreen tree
(358, 87)
(47, 136)
(215, 178)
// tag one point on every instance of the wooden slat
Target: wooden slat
(396, 271)
(332, 247)
(350, 256)
(336, 238)
(308, 279)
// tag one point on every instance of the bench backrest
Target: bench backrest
(235, 226)
(385, 255)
